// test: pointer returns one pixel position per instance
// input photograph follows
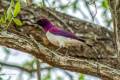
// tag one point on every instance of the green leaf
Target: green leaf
(81, 77)
(2, 20)
(5, 17)
(105, 4)
(17, 8)
(9, 13)
(12, 3)
(17, 22)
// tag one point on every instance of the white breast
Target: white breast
(62, 41)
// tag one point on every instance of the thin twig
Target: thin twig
(16, 66)
(115, 27)
(11, 65)
(38, 63)
(38, 70)
(89, 10)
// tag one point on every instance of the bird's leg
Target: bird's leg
(45, 40)
(58, 49)
(61, 45)
(66, 52)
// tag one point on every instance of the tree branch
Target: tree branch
(11, 65)
(80, 59)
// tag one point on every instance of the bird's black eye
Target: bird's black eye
(43, 22)
(39, 22)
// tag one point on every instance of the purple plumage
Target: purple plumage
(48, 26)
(61, 32)
(58, 36)
(45, 24)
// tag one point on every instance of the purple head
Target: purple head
(45, 24)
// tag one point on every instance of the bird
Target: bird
(58, 36)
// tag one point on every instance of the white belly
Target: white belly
(62, 41)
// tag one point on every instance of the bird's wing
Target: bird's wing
(61, 32)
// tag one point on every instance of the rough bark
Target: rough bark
(115, 12)
(99, 60)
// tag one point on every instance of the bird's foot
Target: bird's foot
(66, 53)
(58, 49)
